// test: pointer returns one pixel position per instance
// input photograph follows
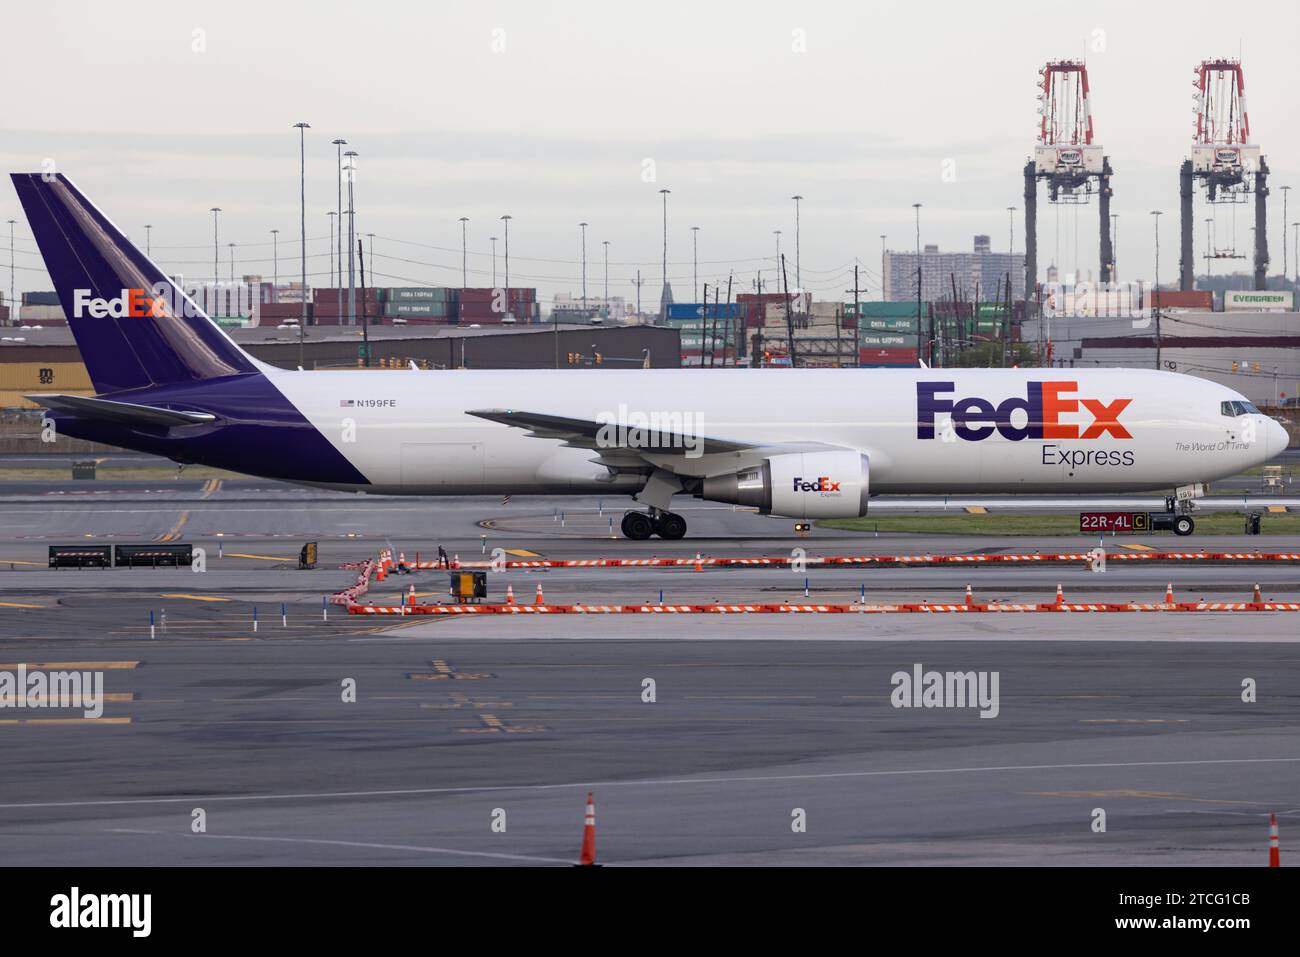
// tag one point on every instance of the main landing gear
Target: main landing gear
(641, 525)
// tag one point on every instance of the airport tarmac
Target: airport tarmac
(754, 717)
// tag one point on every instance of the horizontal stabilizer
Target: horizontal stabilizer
(121, 413)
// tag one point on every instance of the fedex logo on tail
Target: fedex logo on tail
(132, 303)
(822, 483)
(1043, 405)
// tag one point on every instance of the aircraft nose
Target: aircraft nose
(1278, 438)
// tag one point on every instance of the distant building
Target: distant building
(567, 307)
(981, 273)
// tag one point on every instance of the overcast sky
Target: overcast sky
(550, 112)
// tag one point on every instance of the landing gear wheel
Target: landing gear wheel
(1184, 525)
(671, 526)
(638, 526)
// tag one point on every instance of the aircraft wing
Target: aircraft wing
(637, 450)
(121, 413)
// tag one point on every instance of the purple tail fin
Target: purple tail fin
(134, 326)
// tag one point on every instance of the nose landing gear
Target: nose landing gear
(641, 525)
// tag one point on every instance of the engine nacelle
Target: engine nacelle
(798, 485)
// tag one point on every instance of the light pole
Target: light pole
(148, 241)
(1285, 190)
(882, 267)
(464, 255)
(664, 193)
(583, 228)
(695, 257)
(334, 223)
(1155, 307)
(494, 261)
(232, 264)
(508, 318)
(371, 237)
(777, 234)
(1296, 243)
(13, 310)
(338, 145)
(605, 243)
(302, 129)
(352, 249)
(798, 275)
(275, 259)
(1209, 231)
(216, 270)
(917, 207)
(1011, 231)
(1114, 248)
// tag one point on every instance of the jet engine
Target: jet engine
(832, 484)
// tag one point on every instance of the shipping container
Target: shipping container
(1182, 299)
(331, 294)
(411, 307)
(39, 313)
(885, 310)
(869, 325)
(40, 299)
(1271, 300)
(887, 357)
(887, 340)
(682, 311)
(43, 376)
(419, 293)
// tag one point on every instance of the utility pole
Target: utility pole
(148, 248)
(333, 218)
(695, 256)
(232, 264)
(302, 129)
(275, 259)
(494, 261)
(464, 254)
(638, 294)
(776, 272)
(371, 237)
(1155, 308)
(789, 317)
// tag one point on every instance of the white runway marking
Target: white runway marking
(644, 782)
(361, 844)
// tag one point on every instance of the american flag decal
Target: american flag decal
(346, 403)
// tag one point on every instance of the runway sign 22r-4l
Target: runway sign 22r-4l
(1114, 522)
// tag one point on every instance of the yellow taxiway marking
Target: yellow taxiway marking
(1277, 508)
(976, 510)
(444, 672)
(1138, 548)
(11, 561)
(459, 700)
(65, 721)
(265, 558)
(522, 553)
(494, 725)
(175, 531)
(211, 486)
(18, 604)
(193, 597)
(72, 665)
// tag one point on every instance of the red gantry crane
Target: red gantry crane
(1068, 159)
(1225, 162)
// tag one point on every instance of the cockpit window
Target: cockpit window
(1237, 407)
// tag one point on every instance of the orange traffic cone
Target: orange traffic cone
(1274, 851)
(1169, 594)
(1257, 599)
(401, 559)
(410, 596)
(538, 599)
(1060, 595)
(510, 594)
(699, 563)
(588, 858)
(455, 560)
(380, 574)
(970, 598)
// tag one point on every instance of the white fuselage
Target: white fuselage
(408, 432)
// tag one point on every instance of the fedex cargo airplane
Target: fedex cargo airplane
(801, 443)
